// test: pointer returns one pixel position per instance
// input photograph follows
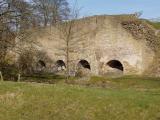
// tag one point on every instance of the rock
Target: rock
(108, 71)
(83, 72)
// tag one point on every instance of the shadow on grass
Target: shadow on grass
(127, 81)
(43, 78)
(136, 82)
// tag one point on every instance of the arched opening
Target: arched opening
(40, 66)
(60, 65)
(115, 64)
(41, 63)
(84, 64)
(83, 69)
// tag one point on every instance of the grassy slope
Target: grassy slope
(31, 101)
(156, 25)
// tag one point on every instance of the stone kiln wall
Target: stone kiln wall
(105, 39)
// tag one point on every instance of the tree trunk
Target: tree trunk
(1, 76)
(19, 77)
(67, 57)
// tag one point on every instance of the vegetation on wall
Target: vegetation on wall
(145, 30)
(141, 31)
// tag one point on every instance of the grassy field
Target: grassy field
(126, 98)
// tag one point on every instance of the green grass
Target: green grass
(43, 78)
(123, 100)
(154, 24)
(134, 82)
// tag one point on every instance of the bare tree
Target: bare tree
(15, 17)
(71, 37)
(7, 36)
(50, 11)
(138, 14)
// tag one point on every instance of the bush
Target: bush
(9, 72)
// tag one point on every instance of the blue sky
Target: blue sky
(150, 8)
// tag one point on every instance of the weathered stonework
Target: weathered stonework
(106, 40)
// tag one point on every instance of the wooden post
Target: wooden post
(19, 77)
(1, 76)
